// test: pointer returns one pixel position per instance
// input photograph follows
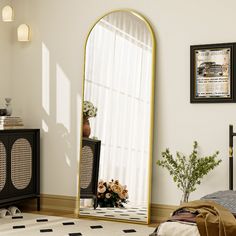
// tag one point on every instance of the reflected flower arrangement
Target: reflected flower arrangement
(112, 194)
(89, 110)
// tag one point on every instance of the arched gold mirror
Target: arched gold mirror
(118, 113)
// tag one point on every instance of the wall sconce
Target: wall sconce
(7, 14)
(23, 33)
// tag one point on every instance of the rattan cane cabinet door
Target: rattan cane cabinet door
(3, 165)
(87, 167)
(21, 163)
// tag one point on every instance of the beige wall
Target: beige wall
(52, 65)
(6, 57)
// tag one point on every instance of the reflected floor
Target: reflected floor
(135, 213)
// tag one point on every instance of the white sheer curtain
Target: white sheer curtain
(118, 83)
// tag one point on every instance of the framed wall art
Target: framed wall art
(212, 73)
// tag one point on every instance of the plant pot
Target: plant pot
(103, 204)
(86, 127)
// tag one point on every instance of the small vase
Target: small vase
(8, 106)
(86, 127)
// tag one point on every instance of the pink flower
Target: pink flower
(116, 188)
(124, 194)
(101, 188)
(100, 182)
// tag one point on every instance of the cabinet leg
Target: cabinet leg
(38, 203)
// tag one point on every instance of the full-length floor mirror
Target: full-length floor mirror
(119, 72)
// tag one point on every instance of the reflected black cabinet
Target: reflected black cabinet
(19, 165)
(89, 168)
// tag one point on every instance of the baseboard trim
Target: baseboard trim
(52, 203)
(67, 204)
(160, 212)
(70, 205)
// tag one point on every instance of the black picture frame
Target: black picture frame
(212, 77)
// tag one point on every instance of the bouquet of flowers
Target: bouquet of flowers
(111, 194)
(89, 110)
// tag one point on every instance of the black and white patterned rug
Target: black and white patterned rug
(26, 224)
(128, 213)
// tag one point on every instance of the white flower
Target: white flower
(108, 195)
(95, 111)
(85, 109)
(91, 113)
(90, 105)
(86, 103)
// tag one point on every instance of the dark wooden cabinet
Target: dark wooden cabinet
(19, 165)
(89, 168)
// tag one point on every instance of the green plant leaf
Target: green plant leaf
(187, 171)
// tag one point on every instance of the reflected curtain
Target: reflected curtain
(118, 82)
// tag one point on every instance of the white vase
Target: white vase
(8, 106)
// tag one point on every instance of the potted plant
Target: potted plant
(187, 172)
(89, 110)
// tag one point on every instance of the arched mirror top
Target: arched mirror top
(128, 21)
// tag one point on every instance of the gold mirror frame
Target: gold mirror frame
(151, 116)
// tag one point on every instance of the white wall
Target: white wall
(59, 30)
(5, 58)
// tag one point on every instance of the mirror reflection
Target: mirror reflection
(115, 159)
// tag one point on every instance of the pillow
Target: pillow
(225, 198)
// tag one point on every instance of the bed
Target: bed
(221, 205)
